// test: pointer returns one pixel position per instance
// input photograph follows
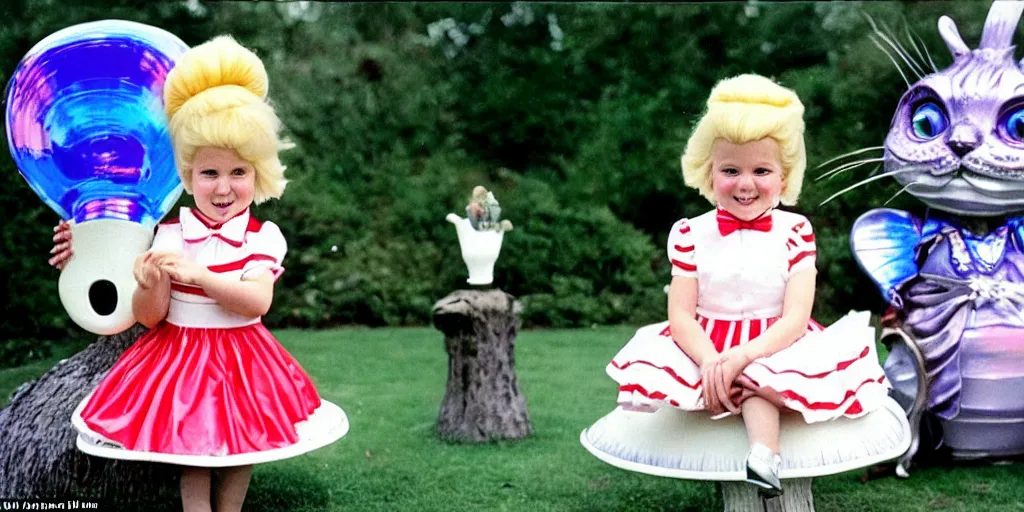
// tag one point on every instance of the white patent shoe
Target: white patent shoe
(763, 469)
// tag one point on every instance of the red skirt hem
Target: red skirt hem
(201, 391)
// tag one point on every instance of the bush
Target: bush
(577, 264)
(574, 115)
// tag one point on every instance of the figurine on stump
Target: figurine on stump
(482, 401)
(480, 235)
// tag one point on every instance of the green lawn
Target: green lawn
(390, 382)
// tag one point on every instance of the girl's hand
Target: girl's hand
(181, 269)
(727, 369)
(62, 250)
(709, 384)
(146, 271)
(743, 389)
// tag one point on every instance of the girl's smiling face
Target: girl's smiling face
(223, 184)
(747, 178)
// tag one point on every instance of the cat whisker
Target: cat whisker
(912, 36)
(913, 45)
(912, 184)
(891, 59)
(889, 36)
(879, 34)
(896, 49)
(851, 153)
(848, 167)
(902, 190)
(944, 183)
(868, 180)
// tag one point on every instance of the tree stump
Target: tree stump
(743, 497)
(38, 457)
(482, 401)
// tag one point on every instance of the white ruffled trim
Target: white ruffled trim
(327, 424)
(656, 364)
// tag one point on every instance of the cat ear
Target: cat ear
(949, 33)
(1000, 25)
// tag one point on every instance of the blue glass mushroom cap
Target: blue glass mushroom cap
(87, 129)
(86, 124)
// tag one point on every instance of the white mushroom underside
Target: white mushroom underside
(690, 445)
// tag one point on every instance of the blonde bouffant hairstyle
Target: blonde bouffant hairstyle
(216, 96)
(745, 109)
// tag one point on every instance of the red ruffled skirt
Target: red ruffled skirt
(828, 373)
(202, 391)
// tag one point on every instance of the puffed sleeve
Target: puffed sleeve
(168, 238)
(800, 247)
(681, 250)
(268, 248)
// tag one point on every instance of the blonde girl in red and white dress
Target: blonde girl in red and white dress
(740, 339)
(208, 386)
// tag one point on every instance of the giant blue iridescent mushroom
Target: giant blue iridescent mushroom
(87, 129)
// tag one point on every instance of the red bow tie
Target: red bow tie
(727, 222)
(195, 228)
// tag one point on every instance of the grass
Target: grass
(391, 381)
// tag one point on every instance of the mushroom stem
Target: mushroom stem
(743, 497)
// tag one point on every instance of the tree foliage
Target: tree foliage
(574, 115)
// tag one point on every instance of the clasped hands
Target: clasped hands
(151, 267)
(725, 388)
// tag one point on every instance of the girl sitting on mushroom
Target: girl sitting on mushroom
(740, 339)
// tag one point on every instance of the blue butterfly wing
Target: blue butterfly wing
(884, 242)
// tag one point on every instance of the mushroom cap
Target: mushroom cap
(690, 445)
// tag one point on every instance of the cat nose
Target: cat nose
(964, 139)
(961, 148)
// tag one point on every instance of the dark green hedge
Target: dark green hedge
(574, 115)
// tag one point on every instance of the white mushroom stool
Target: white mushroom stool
(688, 445)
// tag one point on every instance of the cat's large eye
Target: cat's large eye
(1012, 125)
(929, 120)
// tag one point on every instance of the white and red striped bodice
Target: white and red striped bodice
(742, 275)
(235, 248)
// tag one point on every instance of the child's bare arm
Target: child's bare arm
(249, 297)
(152, 298)
(682, 320)
(691, 338)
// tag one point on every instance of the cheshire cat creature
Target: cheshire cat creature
(956, 277)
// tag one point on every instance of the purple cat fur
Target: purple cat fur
(955, 143)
